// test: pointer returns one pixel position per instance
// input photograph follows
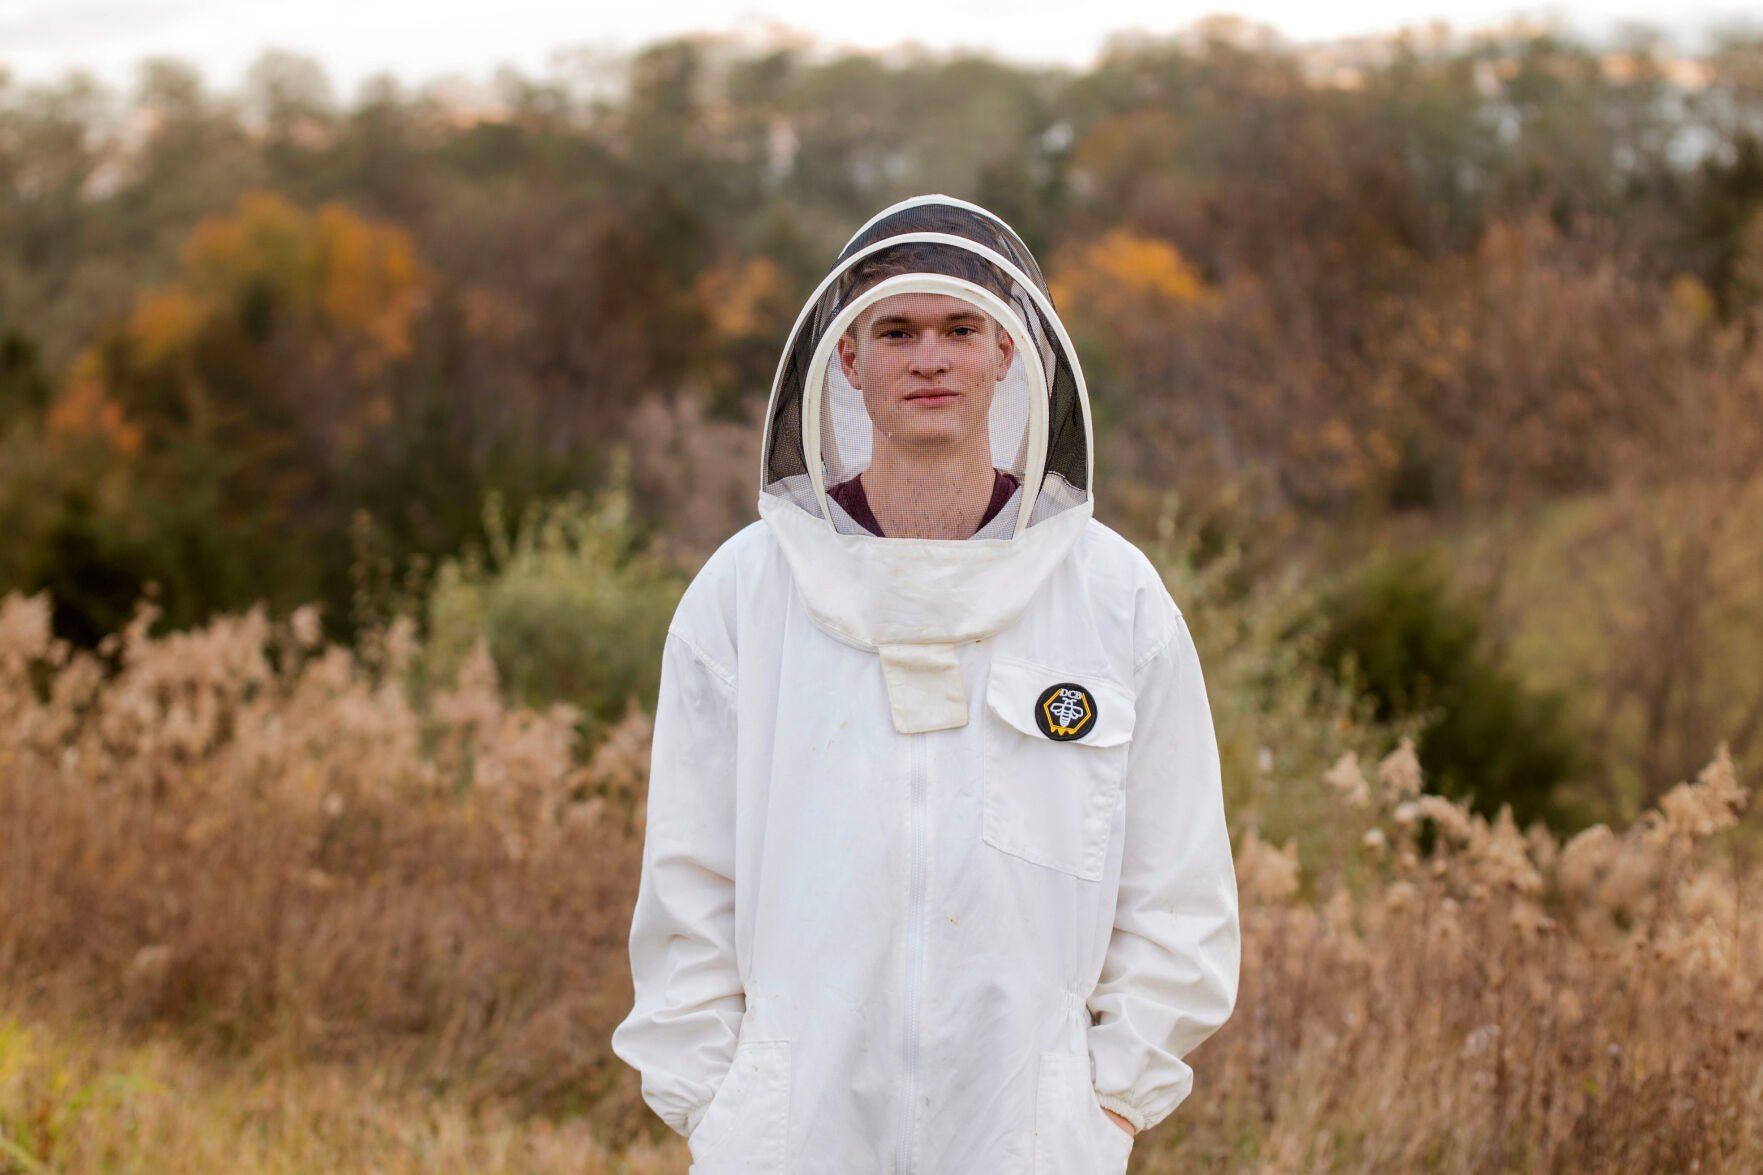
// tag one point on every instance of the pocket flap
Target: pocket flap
(1088, 709)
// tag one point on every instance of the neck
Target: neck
(930, 493)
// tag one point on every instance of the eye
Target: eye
(896, 332)
(970, 330)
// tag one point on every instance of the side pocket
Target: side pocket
(1117, 1144)
(1073, 1133)
(746, 1127)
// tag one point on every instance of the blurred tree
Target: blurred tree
(289, 104)
(1128, 300)
(1729, 197)
(194, 157)
(24, 387)
(747, 310)
(1438, 273)
(244, 385)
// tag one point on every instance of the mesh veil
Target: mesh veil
(928, 387)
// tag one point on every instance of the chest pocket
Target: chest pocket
(1054, 748)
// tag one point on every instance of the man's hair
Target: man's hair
(920, 257)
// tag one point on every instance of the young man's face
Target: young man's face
(926, 365)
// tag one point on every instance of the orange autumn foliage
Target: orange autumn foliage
(1123, 274)
(350, 277)
(334, 293)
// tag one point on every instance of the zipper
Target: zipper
(914, 959)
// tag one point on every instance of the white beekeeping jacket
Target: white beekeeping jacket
(936, 865)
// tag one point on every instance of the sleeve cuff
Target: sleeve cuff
(1113, 1101)
(692, 1116)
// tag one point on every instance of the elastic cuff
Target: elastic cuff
(1113, 1101)
(692, 1116)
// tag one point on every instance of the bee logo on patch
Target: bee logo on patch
(1065, 711)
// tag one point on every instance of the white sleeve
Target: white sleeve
(1169, 978)
(681, 1033)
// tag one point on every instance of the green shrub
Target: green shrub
(571, 605)
(1396, 630)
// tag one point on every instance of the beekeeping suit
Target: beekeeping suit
(935, 864)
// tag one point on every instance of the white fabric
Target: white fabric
(926, 688)
(860, 950)
(887, 593)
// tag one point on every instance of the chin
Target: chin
(931, 432)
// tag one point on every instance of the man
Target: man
(936, 876)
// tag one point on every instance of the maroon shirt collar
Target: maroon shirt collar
(850, 495)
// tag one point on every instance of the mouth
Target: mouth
(932, 396)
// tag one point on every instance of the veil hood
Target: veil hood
(914, 600)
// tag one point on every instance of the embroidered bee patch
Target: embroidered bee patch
(1065, 711)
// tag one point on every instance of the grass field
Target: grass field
(79, 1100)
(260, 911)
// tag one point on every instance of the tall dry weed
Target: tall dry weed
(254, 837)
(261, 842)
(1485, 998)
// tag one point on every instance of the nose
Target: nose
(929, 357)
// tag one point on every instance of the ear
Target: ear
(1006, 352)
(848, 360)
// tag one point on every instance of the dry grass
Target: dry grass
(73, 1101)
(266, 913)
(1489, 1000)
(260, 843)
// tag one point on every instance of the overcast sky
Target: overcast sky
(42, 39)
